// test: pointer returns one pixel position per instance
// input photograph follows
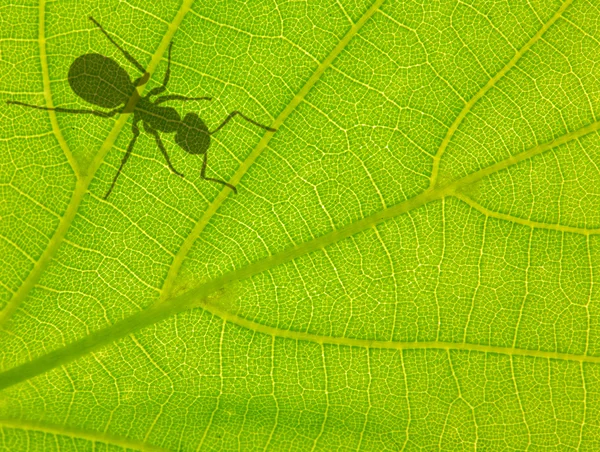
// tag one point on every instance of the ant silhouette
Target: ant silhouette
(100, 80)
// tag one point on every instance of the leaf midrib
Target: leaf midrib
(207, 295)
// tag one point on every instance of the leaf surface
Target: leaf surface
(411, 261)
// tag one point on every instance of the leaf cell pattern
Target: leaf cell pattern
(412, 261)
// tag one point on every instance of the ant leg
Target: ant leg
(163, 99)
(163, 87)
(203, 175)
(236, 113)
(161, 146)
(102, 114)
(136, 132)
(123, 51)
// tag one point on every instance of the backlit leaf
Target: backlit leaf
(412, 260)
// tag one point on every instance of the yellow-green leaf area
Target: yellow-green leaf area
(411, 261)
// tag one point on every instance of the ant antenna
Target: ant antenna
(125, 52)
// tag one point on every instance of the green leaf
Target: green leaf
(411, 262)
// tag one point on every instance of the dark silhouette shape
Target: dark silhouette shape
(100, 81)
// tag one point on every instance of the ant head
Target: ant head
(100, 81)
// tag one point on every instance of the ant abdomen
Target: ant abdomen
(193, 135)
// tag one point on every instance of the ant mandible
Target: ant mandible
(100, 80)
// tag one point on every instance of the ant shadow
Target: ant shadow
(100, 81)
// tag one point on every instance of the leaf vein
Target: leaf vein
(489, 85)
(260, 147)
(61, 430)
(48, 93)
(198, 297)
(84, 181)
(523, 221)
